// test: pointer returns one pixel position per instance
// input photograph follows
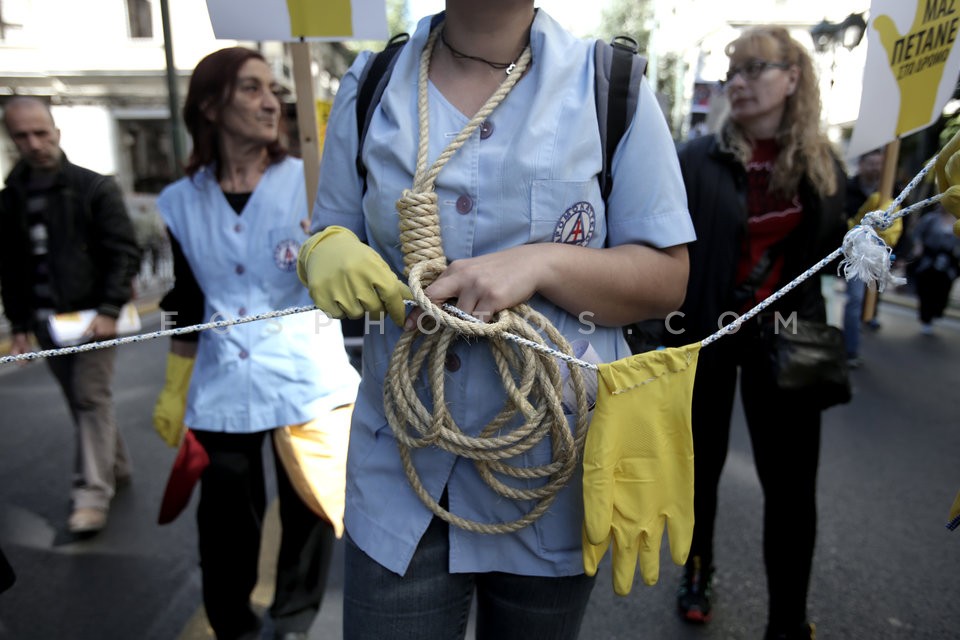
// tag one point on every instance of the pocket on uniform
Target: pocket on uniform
(566, 211)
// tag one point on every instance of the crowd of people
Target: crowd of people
(714, 227)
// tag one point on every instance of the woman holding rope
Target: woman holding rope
(526, 234)
(766, 196)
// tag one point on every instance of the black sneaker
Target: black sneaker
(805, 632)
(693, 596)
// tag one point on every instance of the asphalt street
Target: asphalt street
(885, 566)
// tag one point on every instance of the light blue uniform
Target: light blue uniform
(529, 176)
(259, 375)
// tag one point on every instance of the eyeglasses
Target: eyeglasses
(752, 70)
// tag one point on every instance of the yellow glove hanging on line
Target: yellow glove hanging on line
(347, 278)
(172, 401)
(947, 171)
(891, 234)
(638, 464)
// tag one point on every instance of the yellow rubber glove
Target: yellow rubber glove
(918, 83)
(949, 150)
(172, 401)
(891, 234)
(346, 278)
(947, 171)
(638, 464)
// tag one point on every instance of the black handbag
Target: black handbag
(808, 361)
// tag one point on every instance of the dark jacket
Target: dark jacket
(92, 250)
(716, 193)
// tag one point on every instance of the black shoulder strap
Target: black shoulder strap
(747, 290)
(373, 79)
(617, 77)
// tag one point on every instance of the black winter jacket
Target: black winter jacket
(92, 250)
(716, 193)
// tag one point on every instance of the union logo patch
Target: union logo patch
(576, 225)
(285, 255)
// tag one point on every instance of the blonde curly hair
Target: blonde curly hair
(804, 148)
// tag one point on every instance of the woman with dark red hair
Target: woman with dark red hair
(234, 224)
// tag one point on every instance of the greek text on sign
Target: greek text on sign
(917, 58)
(910, 72)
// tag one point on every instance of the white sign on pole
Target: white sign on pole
(289, 20)
(911, 69)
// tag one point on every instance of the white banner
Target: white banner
(289, 20)
(911, 69)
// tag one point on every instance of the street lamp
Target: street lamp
(848, 33)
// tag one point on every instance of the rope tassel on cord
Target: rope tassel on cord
(531, 379)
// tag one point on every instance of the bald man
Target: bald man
(67, 244)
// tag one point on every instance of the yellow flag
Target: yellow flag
(323, 116)
(314, 455)
(314, 19)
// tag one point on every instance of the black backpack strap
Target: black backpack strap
(373, 80)
(617, 77)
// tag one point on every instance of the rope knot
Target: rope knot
(867, 257)
(879, 220)
(419, 229)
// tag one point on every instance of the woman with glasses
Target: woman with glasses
(766, 198)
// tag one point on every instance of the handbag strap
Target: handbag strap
(747, 289)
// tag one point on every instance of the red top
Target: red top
(770, 218)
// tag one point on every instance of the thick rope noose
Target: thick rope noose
(531, 379)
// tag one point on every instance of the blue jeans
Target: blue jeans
(431, 603)
(852, 312)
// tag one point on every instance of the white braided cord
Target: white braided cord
(115, 342)
(887, 216)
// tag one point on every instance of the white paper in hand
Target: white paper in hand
(67, 329)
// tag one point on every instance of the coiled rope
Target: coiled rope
(530, 378)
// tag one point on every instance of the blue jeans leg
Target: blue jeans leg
(852, 312)
(427, 602)
(430, 602)
(512, 607)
